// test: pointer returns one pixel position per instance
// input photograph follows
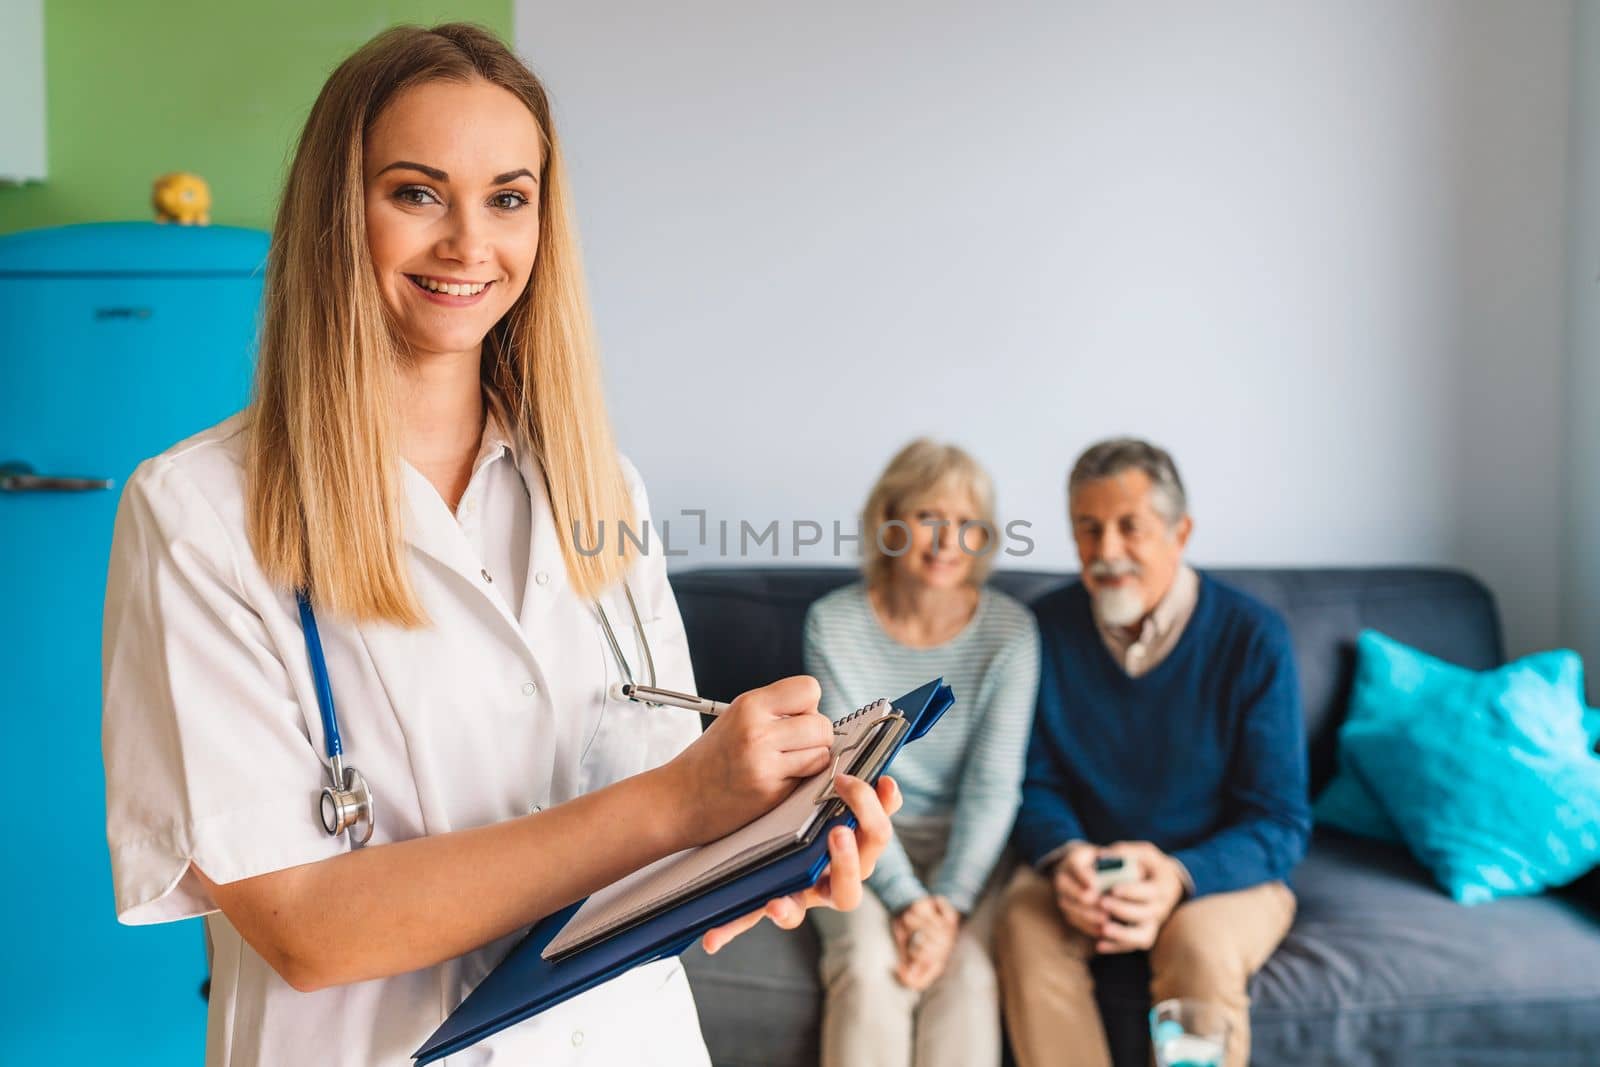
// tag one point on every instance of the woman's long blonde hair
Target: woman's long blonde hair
(325, 502)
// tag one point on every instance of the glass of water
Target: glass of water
(1189, 1033)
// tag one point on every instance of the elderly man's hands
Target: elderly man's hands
(1128, 917)
(1135, 911)
(1076, 893)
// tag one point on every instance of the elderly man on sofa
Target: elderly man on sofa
(1168, 733)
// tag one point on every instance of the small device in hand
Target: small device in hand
(1111, 871)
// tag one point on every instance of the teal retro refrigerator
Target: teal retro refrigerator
(116, 340)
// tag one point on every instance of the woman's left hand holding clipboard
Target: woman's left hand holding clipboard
(851, 858)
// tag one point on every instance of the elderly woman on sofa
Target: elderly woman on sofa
(909, 977)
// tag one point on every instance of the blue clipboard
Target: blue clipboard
(525, 984)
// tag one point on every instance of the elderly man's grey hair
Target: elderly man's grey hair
(1111, 458)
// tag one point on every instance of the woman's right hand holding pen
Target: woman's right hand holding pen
(752, 757)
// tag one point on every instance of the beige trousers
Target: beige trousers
(1208, 950)
(869, 1019)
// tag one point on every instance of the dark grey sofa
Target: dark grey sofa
(1380, 968)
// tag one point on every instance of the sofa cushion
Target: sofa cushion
(1382, 969)
(1395, 684)
(1487, 774)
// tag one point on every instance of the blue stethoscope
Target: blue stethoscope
(346, 805)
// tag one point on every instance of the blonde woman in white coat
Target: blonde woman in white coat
(426, 442)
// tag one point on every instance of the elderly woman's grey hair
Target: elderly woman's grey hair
(1108, 459)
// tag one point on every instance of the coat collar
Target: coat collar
(432, 530)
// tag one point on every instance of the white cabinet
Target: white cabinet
(22, 89)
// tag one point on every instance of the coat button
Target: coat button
(485, 574)
(542, 578)
(577, 1038)
(528, 689)
(534, 809)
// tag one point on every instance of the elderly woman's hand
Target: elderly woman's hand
(924, 935)
(851, 858)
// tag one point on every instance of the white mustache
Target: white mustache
(1115, 569)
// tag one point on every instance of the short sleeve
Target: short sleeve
(208, 757)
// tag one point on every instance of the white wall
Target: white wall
(1583, 338)
(1313, 248)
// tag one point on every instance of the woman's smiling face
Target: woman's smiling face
(452, 198)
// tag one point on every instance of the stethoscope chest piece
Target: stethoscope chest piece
(348, 807)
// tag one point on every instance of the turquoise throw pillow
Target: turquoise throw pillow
(1394, 682)
(1347, 804)
(1488, 776)
(1391, 681)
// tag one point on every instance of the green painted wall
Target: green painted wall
(220, 89)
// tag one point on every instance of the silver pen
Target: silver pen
(649, 694)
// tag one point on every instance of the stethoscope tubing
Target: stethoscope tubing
(319, 678)
(616, 646)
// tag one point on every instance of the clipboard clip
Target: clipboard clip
(827, 792)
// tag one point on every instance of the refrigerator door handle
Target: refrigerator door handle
(20, 478)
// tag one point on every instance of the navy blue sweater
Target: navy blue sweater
(1204, 756)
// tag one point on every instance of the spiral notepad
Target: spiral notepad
(862, 743)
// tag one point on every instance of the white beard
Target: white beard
(1121, 605)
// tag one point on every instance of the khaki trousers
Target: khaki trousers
(869, 1019)
(1208, 950)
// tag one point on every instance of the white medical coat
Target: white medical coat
(214, 751)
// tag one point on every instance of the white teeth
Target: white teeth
(451, 289)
